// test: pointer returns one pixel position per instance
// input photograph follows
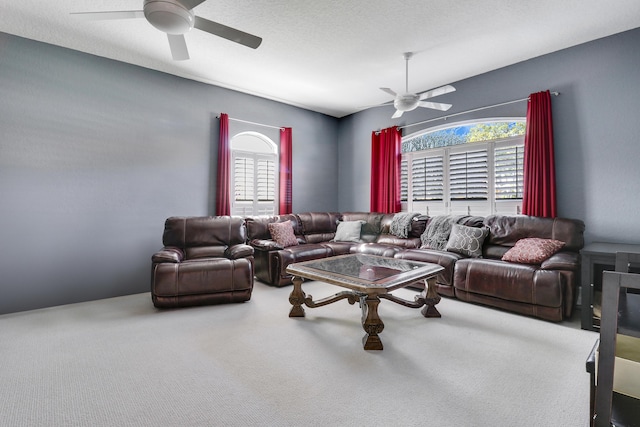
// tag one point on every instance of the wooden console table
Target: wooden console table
(596, 258)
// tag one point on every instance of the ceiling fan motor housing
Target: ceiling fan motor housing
(406, 102)
(169, 16)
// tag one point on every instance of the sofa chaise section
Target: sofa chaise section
(546, 289)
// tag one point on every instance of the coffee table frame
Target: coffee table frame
(367, 292)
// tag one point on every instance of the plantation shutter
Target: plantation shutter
(243, 179)
(427, 178)
(265, 186)
(468, 175)
(509, 175)
(404, 180)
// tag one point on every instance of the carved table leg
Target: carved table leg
(371, 322)
(296, 298)
(431, 298)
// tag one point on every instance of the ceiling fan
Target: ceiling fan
(176, 18)
(411, 101)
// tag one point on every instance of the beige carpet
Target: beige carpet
(121, 362)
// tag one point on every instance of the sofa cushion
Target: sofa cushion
(390, 239)
(507, 281)
(199, 252)
(532, 250)
(507, 230)
(436, 234)
(282, 233)
(447, 260)
(379, 249)
(372, 226)
(466, 240)
(319, 227)
(184, 232)
(348, 231)
(401, 224)
(258, 226)
(300, 253)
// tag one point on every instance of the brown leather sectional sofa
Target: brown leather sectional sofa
(546, 290)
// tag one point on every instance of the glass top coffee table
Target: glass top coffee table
(368, 278)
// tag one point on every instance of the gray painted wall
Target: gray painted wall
(595, 130)
(95, 154)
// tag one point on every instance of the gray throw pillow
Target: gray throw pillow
(348, 231)
(467, 240)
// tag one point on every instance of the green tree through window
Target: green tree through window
(463, 134)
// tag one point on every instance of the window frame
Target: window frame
(268, 152)
(447, 206)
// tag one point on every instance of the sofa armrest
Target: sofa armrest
(239, 251)
(562, 261)
(265, 245)
(168, 254)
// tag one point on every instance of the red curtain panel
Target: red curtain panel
(223, 200)
(285, 193)
(385, 170)
(539, 195)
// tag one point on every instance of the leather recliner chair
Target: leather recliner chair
(204, 261)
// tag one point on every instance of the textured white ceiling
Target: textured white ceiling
(332, 56)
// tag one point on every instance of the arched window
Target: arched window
(465, 168)
(253, 174)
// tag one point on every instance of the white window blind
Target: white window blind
(404, 180)
(427, 178)
(266, 180)
(468, 175)
(509, 162)
(244, 174)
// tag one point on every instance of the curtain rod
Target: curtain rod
(471, 111)
(254, 123)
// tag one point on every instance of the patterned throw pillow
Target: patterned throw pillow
(532, 250)
(348, 231)
(467, 240)
(282, 233)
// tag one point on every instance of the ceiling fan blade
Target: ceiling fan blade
(397, 114)
(178, 47)
(389, 91)
(190, 4)
(434, 105)
(228, 33)
(437, 92)
(103, 16)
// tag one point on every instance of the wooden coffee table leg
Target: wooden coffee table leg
(296, 298)
(371, 322)
(431, 298)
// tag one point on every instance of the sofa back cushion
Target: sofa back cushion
(418, 225)
(385, 223)
(198, 232)
(258, 226)
(372, 224)
(319, 226)
(507, 230)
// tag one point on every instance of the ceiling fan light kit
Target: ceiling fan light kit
(406, 102)
(169, 16)
(411, 101)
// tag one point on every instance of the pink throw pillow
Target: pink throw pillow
(532, 250)
(282, 233)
